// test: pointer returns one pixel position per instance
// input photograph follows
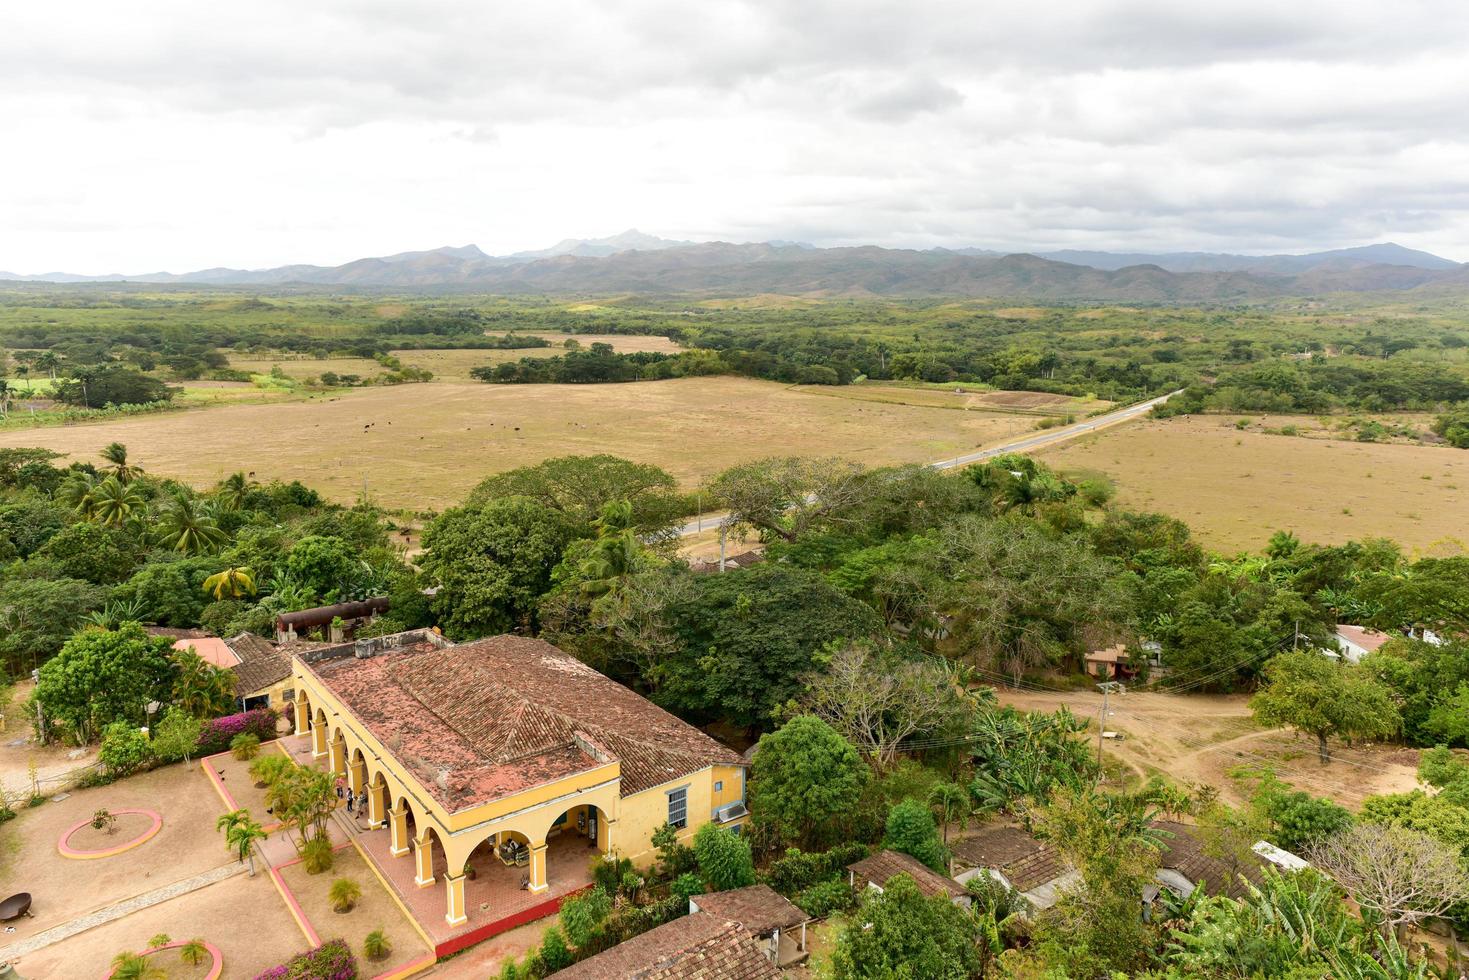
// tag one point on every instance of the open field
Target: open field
(446, 364)
(1234, 488)
(963, 398)
(424, 446)
(1203, 738)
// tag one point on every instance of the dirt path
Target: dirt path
(1206, 739)
(54, 763)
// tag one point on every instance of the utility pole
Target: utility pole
(1106, 687)
(723, 527)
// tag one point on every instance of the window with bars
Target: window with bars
(678, 807)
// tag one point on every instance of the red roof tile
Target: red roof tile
(883, 865)
(694, 947)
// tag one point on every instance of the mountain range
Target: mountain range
(636, 262)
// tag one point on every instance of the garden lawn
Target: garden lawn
(243, 916)
(374, 910)
(63, 889)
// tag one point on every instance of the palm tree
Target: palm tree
(234, 582)
(6, 393)
(48, 361)
(188, 528)
(117, 454)
(131, 966)
(201, 689)
(950, 802)
(240, 834)
(232, 491)
(115, 502)
(76, 492)
(615, 551)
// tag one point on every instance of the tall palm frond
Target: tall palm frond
(187, 527)
(117, 455)
(114, 502)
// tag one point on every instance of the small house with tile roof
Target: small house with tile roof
(769, 916)
(692, 947)
(506, 747)
(875, 871)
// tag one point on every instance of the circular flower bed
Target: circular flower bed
(80, 851)
(215, 968)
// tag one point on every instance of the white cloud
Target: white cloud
(177, 135)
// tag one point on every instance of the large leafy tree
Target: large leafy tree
(38, 615)
(103, 676)
(1021, 598)
(1432, 593)
(323, 564)
(493, 563)
(899, 932)
(580, 486)
(788, 497)
(91, 552)
(804, 778)
(748, 637)
(1319, 696)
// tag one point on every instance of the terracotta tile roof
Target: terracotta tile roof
(261, 664)
(486, 719)
(694, 947)
(759, 908)
(1025, 862)
(1185, 853)
(881, 866)
(175, 634)
(210, 649)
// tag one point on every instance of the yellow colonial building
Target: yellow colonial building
(488, 753)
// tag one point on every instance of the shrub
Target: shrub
(131, 966)
(317, 855)
(376, 946)
(554, 954)
(176, 737)
(124, 750)
(245, 746)
(911, 830)
(161, 939)
(609, 874)
(674, 857)
(332, 960)
(219, 732)
(582, 914)
(344, 894)
(826, 897)
(267, 769)
(724, 858)
(686, 886)
(799, 870)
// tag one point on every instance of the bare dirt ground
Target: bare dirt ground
(486, 959)
(63, 889)
(374, 910)
(1235, 488)
(17, 751)
(1205, 738)
(243, 916)
(424, 446)
(963, 399)
(704, 546)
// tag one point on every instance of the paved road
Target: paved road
(1049, 437)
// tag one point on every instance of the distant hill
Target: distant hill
(635, 262)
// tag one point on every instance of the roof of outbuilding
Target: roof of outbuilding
(1362, 636)
(885, 864)
(759, 908)
(486, 719)
(261, 663)
(693, 947)
(1185, 853)
(1025, 861)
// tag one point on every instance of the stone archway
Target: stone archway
(319, 734)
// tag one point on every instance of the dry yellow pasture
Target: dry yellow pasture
(423, 446)
(1236, 488)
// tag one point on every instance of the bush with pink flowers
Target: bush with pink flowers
(219, 732)
(332, 960)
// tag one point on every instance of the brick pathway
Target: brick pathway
(116, 911)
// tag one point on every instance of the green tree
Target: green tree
(38, 615)
(911, 831)
(115, 503)
(493, 563)
(581, 486)
(90, 552)
(788, 497)
(804, 779)
(900, 933)
(177, 736)
(950, 802)
(324, 564)
(1318, 696)
(168, 590)
(233, 492)
(724, 858)
(105, 676)
(749, 637)
(124, 750)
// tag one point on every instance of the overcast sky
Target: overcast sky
(157, 135)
